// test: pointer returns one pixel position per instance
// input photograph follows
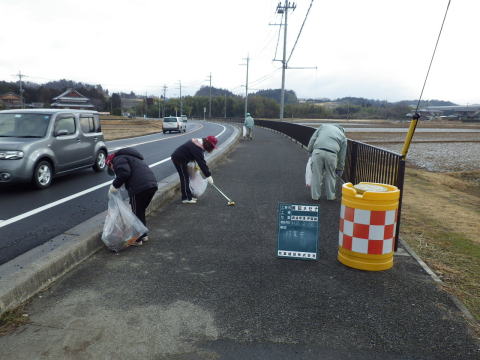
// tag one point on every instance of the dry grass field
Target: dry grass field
(124, 128)
(440, 220)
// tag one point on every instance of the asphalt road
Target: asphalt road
(208, 285)
(29, 217)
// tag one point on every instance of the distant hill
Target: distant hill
(359, 101)
(275, 94)
(205, 91)
(424, 103)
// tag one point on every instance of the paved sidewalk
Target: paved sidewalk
(209, 286)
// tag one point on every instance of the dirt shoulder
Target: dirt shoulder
(440, 217)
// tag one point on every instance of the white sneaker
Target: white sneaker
(186, 201)
(145, 238)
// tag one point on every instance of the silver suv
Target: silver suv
(38, 144)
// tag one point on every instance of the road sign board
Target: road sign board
(297, 231)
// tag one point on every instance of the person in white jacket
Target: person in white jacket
(327, 146)
(249, 123)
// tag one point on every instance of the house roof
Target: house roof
(71, 94)
(65, 104)
(10, 96)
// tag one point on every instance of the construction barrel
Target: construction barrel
(368, 218)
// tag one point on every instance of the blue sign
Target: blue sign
(298, 231)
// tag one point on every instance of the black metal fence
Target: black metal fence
(363, 162)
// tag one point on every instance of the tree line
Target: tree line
(222, 103)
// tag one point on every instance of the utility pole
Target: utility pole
(20, 75)
(284, 10)
(164, 98)
(145, 108)
(159, 107)
(225, 107)
(210, 98)
(246, 86)
(181, 101)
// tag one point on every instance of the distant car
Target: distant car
(184, 118)
(37, 145)
(173, 123)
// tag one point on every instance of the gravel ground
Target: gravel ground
(432, 151)
(441, 157)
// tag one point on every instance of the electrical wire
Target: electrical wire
(264, 78)
(278, 39)
(433, 55)
(301, 28)
(268, 39)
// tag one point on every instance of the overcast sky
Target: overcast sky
(366, 48)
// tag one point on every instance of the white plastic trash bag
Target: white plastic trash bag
(244, 131)
(122, 227)
(198, 184)
(308, 172)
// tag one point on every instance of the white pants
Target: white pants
(324, 164)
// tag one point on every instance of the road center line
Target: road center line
(40, 209)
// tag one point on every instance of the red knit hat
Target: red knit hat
(109, 159)
(212, 140)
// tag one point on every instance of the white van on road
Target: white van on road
(173, 123)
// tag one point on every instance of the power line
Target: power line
(433, 55)
(278, 38)
(265, 77)
(301, 28)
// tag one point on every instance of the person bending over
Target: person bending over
(328, 146)
(192, 150)
(130, 170)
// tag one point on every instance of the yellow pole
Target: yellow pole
(408, 138)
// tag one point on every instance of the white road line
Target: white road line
(151, 141)
(40, 209)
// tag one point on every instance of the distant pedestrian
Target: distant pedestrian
(192, 150)
(130, 170)
(249, 124)
(328, 146)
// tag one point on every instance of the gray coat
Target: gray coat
(330, 137)
(249, 123)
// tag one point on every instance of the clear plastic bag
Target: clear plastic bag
(122, 227)
(308, 172)
(198, 184)
(244, 131)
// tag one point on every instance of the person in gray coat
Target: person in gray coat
(327, 146)
(249, 124)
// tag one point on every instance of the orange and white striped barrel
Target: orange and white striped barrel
(368, 219)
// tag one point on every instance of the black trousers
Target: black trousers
(184, 179)
(139, 203)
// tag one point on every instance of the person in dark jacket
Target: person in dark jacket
(192, 150)
(130, 170)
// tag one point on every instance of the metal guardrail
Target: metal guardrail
(363, 162)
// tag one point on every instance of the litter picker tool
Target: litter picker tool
(230, 202)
